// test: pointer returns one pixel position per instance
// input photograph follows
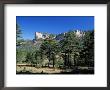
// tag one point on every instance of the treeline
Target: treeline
(69, 51)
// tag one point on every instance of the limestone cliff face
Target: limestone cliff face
(80, 33)
(38, 35)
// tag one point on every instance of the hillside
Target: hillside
(68, 52)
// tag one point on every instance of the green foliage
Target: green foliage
(51, 36)
(49, 48)
(67, 50)
(18, 31)
(70, 45)
(38, 57)
(87, 52)
(18, 36)
(20, 55)
(29, 57)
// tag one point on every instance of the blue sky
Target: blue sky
(53, 24)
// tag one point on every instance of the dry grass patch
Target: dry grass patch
(38, 70)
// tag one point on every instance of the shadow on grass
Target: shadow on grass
(85, 71)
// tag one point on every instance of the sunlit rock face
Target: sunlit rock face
(38, 35)
(79, 33)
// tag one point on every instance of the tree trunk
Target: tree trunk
(49, 58)
(53, 63)
(65, 63)
(68, 59)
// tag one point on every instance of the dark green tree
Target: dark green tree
(87, 52)
(70, 46)
(18, 31)
(29, 57)
(18, 35)
(49, 47)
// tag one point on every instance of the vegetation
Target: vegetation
(63, 53)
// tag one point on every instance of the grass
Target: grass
(47, 70)
(39, 70)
